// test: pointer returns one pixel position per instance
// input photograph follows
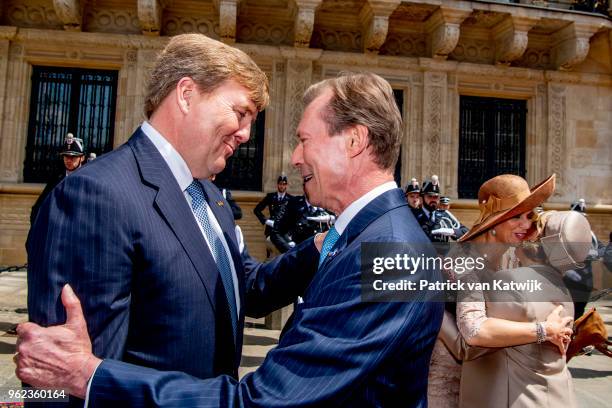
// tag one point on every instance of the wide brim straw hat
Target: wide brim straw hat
(507, 196)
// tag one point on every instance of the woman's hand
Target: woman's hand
(557, 329)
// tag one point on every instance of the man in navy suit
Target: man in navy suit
(148, 243)
(338, 350)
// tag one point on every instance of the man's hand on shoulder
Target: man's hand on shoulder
(57, 356)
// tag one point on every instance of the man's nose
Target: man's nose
(243, 135)
(297, 157)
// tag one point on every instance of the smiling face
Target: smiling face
(214, 125)
(321, 158)
(514, 230)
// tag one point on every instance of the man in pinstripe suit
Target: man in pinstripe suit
(163, 282)
(338, 350)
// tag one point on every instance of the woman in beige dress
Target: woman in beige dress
(530, 374)
(506, 203)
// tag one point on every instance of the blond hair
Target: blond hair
(209, 63)
(363, 99)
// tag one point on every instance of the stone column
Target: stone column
(450, 140)
(557, 139)
(131, 91)
(434, 124)
(275, 126)
(298, 79)
(16, 87)
(4, 64)
(537, 131)
(412, 149)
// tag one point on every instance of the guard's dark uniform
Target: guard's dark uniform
(275, 202)
(436, 219)
(293, 220)
(72, 147)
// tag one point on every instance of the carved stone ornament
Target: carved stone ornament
(7, 33)
(228, 12)
(69, 13)
(571, 45)
(556, 136)
(443, 29)
(304, 21)
(511, 38)
(149, 16)
(374, 18)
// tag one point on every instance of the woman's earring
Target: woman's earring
(493, 232)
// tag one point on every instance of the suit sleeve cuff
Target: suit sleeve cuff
(86, 405)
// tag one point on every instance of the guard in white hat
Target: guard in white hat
(73, 155)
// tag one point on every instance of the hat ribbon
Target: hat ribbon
(495, 204)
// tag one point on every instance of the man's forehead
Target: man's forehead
(315, 107)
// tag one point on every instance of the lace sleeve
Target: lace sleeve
(471, 310)
(470, 316)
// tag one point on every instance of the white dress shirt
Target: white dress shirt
(351, 211)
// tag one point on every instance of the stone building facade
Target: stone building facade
(433, 51)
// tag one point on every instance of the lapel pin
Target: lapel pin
(220, 203)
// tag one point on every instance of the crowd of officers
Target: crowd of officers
(292, 219)
(432, 211)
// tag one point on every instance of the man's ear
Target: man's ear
(356, 140)
(185, 89)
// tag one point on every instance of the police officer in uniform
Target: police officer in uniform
(444, 203)
(300, 220)
(73, 155)
(274, 202)
(413, 196)
(440, 225)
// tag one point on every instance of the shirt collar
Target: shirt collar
(173, 159)
(351, 211)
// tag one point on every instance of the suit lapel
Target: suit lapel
(174, 209)
(382, 204)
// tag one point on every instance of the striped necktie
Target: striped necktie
(200, 210)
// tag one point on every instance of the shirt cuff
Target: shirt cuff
(86, 405)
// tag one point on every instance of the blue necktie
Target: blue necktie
(199, 207)
(328, 243)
